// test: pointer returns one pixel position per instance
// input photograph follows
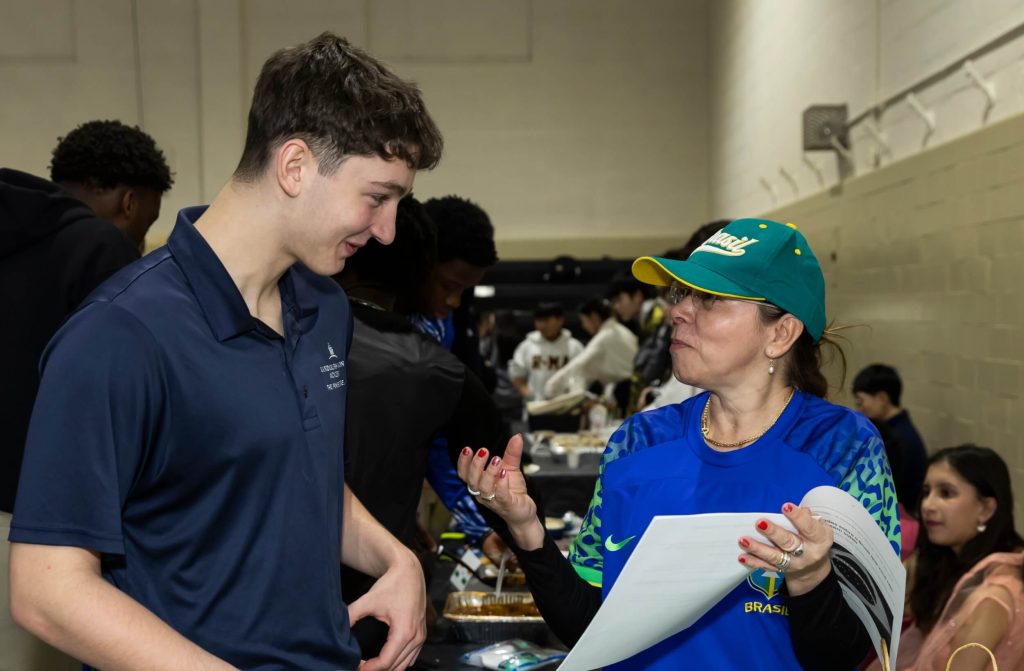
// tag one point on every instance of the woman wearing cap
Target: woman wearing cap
(748, 316)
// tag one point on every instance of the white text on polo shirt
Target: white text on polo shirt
(726, 245)
(333, 372)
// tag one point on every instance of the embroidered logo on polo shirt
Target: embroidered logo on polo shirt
(333, 371)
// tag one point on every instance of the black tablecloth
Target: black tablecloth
(562, 488)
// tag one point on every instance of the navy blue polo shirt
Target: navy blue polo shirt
(201, 454)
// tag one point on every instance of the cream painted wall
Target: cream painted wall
(771, 60)
(925, 256)
(565, 120)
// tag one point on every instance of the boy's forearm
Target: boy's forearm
(365, 544)
(58, 594)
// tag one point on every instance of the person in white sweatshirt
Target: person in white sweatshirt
(607, 358)
(543, 352)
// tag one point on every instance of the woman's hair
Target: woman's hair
(807, 358)
(938, 567)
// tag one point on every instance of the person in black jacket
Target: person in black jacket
(404, 388)
(58, 241)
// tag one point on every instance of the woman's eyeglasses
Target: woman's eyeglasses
(679, 292)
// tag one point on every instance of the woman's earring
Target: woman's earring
(771, 366)
(981, 528)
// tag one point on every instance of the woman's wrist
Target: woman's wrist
(529, 535)
(798, 585)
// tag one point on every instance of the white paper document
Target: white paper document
(653, 600)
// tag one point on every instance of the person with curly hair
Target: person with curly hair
(117, 170)
(182, 502)
(465, 250)
(58, 241)
(406, 389)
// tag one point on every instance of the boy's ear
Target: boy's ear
(292, 162)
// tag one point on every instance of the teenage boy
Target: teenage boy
(878, 390)
(543, 352)
(182, 502)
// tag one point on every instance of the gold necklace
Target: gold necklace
(705, 424)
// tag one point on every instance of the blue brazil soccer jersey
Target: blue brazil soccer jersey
(657, 463)
(201, 454)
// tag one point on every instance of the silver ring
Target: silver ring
(488, 498)
(799, 551)
(783, 563)
(472, 491)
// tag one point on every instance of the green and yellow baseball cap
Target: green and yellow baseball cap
(752, 259)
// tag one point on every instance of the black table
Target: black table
(563, 488)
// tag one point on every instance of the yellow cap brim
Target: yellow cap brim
(652, 270)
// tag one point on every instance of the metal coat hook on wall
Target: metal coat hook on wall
(926, 115)
(987, 87)
(878, 135)
(813, 167)
(843, 151)
(786, 175)
(770, 189)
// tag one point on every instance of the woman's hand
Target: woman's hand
(802, 556)
(499, 485)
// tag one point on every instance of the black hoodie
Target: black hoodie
(53, 252)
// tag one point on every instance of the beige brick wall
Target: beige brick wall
(928, 255)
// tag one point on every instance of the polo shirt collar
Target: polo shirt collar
(218, 295)
(216, 292)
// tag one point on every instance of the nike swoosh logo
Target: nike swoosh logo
(612, 546)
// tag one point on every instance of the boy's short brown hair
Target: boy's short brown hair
(341, 102)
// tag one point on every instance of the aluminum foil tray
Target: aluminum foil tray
(469, 624)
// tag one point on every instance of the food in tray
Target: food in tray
(523, 607)
(577, 440)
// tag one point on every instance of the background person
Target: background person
(404, 388)
(58, 241)
(878, 391)
(965, 582)
(606, 359)
(465, 250)
(748, 328)
(544, 351)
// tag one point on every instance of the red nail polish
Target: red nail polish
(788, 508)
(481, 453)
(466, 451)
(762, 525)
(744, 543)
(502, 474)
(743, 560)
(495, 461)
